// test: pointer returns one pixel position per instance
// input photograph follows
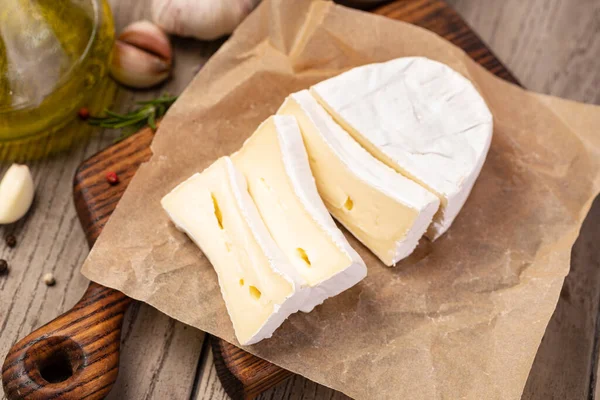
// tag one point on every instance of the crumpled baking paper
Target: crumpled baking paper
(463, 316)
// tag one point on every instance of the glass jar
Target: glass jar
(54, 57)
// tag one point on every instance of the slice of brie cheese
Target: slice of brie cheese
(384, 210)
(275, 164)
(259, 285)
(421, 118)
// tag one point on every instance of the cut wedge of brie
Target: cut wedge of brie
(384, 210)
(275, 164)
(421, 118)
(259, 285)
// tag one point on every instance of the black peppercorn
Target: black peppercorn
(11, 241)
(3, 267)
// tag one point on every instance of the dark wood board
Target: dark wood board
(244, 375)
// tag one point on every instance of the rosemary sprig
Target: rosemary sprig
(147, 113)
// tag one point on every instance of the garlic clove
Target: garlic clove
(146, 35)
(204, 20)
(137, 68)
(142, 56)
(16, 193)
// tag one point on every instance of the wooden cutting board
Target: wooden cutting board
(77, 354)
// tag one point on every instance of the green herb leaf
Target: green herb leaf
(147, 113)
(152, 122)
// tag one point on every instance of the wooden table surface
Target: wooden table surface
(552, 46)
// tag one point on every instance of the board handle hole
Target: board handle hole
(58, 358)
(57, 369)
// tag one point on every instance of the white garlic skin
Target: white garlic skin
(16, 193)
(146, 35)
(202, 19)
(142, 56)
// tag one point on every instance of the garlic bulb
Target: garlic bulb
(142, 56)
(202, 19)
(16, 193)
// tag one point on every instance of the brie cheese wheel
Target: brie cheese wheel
(387, 212)
(258, 283)
(419, 117)
(275, 164)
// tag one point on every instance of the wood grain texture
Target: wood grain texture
(168, 348)
(438, 17)
(95, 198)
(83, 345)
(159, 357)
(243, 375)
(209, 386)
(295, 388)
(551, 46)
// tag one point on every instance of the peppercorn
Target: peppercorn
(112, 178)
(83, 113)
(11, 241)
(3, 267)
(49, 279)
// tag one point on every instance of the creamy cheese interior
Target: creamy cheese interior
(384, 210)
(208, 207)
(308, 246)
(421, 118)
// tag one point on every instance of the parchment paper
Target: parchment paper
(462, 317)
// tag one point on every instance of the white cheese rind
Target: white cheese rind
(187, 207)
(371, 172)
(421, 118)
(296, 163)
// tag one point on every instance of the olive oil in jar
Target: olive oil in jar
(54, 57)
